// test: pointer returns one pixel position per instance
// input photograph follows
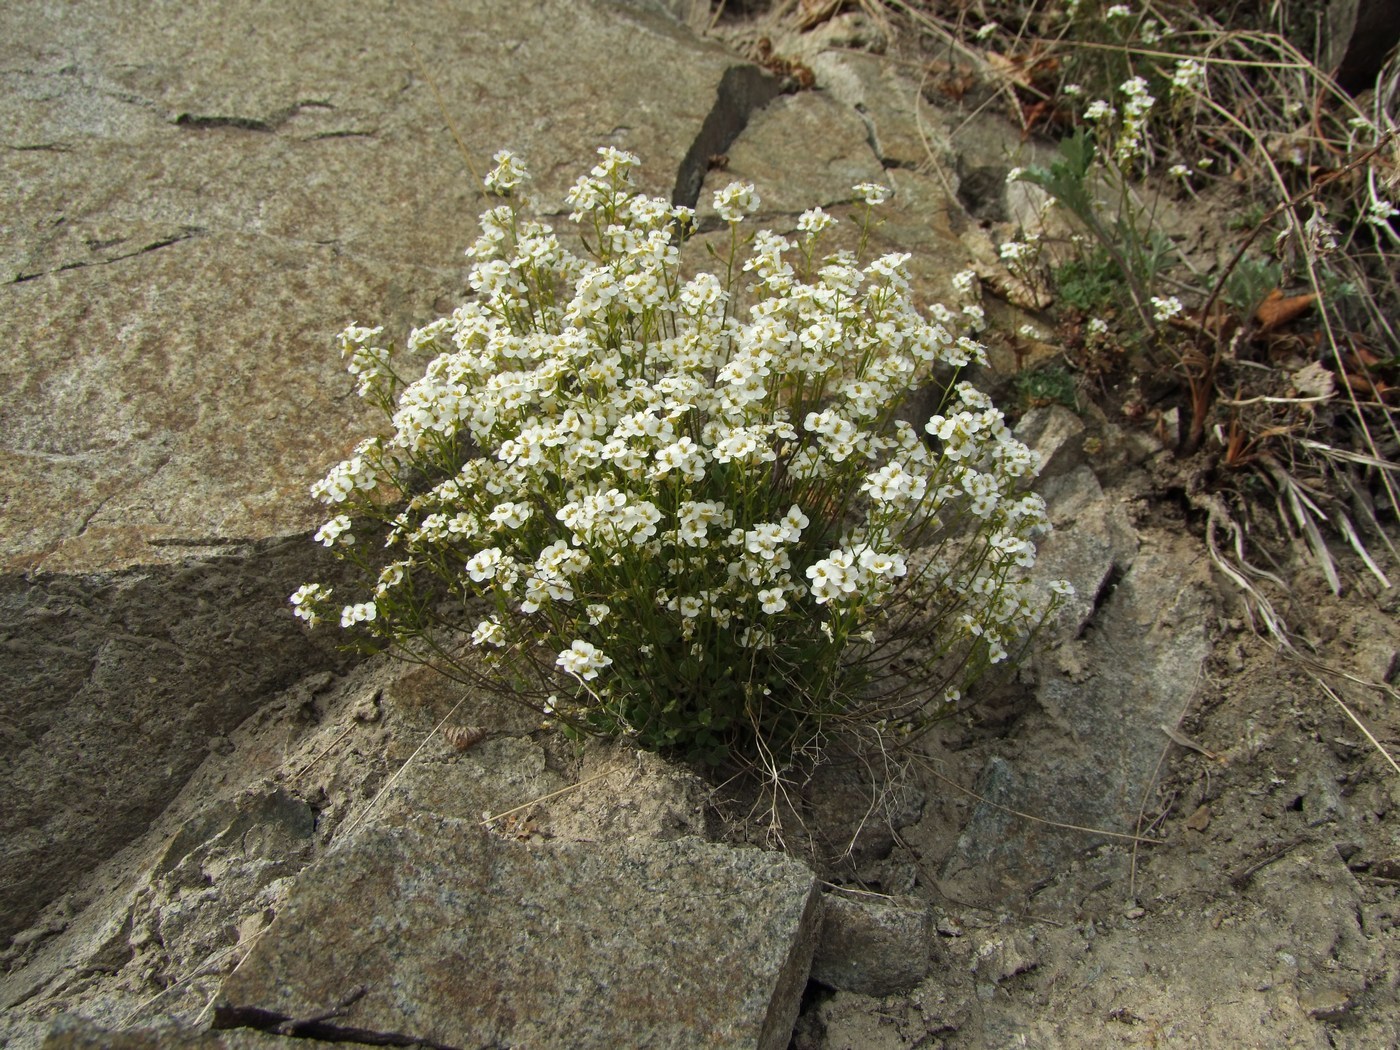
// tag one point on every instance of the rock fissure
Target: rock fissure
(742, 91)
(188, 234)
(200, 121)
(321, 1028)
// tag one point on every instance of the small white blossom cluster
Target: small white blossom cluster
(1189, 76)
(1164, 308)
(683, 506)
(1132, 135)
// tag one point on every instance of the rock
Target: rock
(625, 795)
(889, 103)
(196, 215)
(1005, 955)
(448, 935)
(872, 947)
(115, 686)
(1092, 545)
(1099, 730)
(800, 151)
(73, 1033)
(1057, 434)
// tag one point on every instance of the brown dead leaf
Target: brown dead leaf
(1361, 354)
(1365, 387)
(1277, 310)
(1011, 69)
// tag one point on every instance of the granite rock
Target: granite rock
(872, 947)
(441, 933)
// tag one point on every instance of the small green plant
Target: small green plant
(1091, 283)
(678, 510)
(1046, 386)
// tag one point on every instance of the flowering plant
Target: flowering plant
(643, 508)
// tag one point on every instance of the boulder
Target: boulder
(203, 196)
(440, 933)
(1103, 699)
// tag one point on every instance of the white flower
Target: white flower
(1190, 75)
(1096, 326)
(1180, 171)
(482, 565)
(815, 221)
(489, 632)
(735, 201)
(1099, 109)
(872, 193)
(360, 612)
(507, 175)
(335, 530)
(1118, 11)
(306, 598)
(833, 577)
(511, 515)
(772, 600)
(583, 660)
(988, 28)
(1164, 309)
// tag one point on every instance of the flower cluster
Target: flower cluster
(653, 505)
(1137, 107)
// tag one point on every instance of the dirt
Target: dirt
(1259, 907)
(1259, 912)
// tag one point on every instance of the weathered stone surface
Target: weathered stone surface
(1093, 543)
(1057, 434)
(872, 947)
(624, 794)
(447, 935)
(1105, 694)
(115, 686)
(202, 195)
(802, 150)
(207, 193)
(903, 131)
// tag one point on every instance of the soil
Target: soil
(1260, 912)
(1260, 908)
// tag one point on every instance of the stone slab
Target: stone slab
(1106, 696)
(204, 195)
(441, 933)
